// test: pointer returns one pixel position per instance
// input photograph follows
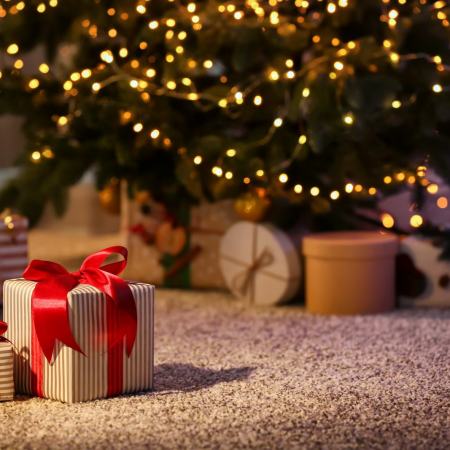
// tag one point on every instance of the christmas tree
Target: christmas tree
(322, 106)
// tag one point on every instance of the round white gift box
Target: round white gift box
(350, 272)
(260, 263)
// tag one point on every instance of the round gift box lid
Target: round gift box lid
(351, 245)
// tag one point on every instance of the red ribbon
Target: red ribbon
(49, 309)
(3, 328)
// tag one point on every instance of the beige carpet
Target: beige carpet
(234, 378)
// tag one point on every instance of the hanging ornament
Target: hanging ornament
(253, 206)
(109, 197)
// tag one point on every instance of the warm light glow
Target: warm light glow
(62, 121)
(198, 160)
(437, 88)
(12, 49)
(231, 152)
(283, 178)
(387, 179)
(387, 220)
(43, 68)
(217, 171)
(138, 127)
(372, 191)
(442, 202)
(36, 156)
(416, 221)
(433, 188)
(334, 195)
(348, 119)
(33, 83)
(306, 92)
(298, 188)
(228, 175)
(107, 56)
(278, 122)
(302, 139)
(257, 100)
(314, 191)
(396, 104)
(154, 134)
(349, 188)
(338, 65)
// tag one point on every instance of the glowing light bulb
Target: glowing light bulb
(283, 178)
(44, 68)
(416, 221)
(306, 92)
(257, 100)
(442, 202)
(387, 220)
(298, 188)
(348, 119)
(278, 122)
(198, 160)
(349, 188)
(302, 139)
(334, 195)
(138, 127)
(437, 88)
(314, 191)
(231, 152)
(33, 83)
(154, 134)
(12, 49)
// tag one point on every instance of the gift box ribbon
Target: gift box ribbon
(50, 318)
(3, 329)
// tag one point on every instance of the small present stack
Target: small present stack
(83, 335)
(6, 366)
(13, 246)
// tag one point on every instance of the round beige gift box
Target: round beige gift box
(350, 272)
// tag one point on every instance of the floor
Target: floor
(231, 377)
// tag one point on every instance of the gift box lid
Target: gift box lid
(351, 245)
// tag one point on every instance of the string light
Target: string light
(387, 220)
(416, 221)
(283, 178)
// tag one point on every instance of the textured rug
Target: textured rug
(230, 377)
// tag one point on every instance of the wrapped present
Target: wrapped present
(176, 250)
(260, 263)
(83, 335)
(423, 279)
(6, 366)
(13, 246)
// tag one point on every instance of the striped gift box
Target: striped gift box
(13, 247)
(6, 372)
(72, 377)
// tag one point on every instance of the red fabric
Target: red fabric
(3, 328)
(50, 318)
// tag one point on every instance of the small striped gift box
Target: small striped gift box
(6, 372)
(13, 247)
(72, 376)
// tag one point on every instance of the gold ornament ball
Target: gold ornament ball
(109, 197)
(252, 206)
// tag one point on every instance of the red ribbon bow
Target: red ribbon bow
(3, 328)
(49, 309)
(50, 305)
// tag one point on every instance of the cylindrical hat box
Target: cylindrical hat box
(350, 272)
